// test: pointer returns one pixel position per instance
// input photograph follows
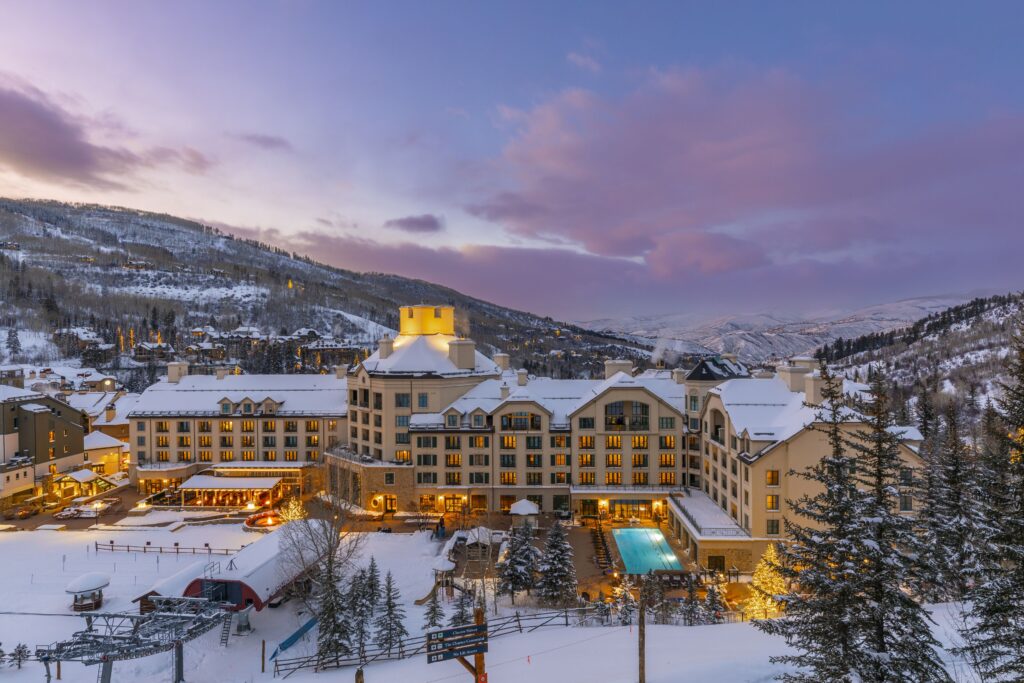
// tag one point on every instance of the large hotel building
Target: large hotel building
(429, 423)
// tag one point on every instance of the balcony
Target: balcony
(626, 424)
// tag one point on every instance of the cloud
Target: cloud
(40, 139)
(422, 224)
(755, 178)
(264, 141)
(585, 62)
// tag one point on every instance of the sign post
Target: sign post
(459, 643)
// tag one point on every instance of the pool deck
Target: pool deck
(645, 549)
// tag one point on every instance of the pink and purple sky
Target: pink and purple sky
(577, 159)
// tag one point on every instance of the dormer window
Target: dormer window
(247, 408)
(478, 420)
(225, 408)
(437, 312)
(453, 420)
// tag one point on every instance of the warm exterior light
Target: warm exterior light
(250, 506)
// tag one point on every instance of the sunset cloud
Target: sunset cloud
(423, 224)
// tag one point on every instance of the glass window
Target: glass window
(771, 502)
(402, 401)
(423, 400)
(771, 478)
(772, 527)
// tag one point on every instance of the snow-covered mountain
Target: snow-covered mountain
(765, 336)
(116, 269)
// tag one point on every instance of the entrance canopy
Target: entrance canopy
(524, 508)
(206, 482)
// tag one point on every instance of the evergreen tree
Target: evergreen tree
(995, 633)
(557, 585)
(652, 594)
(434, 617)
(13, 342)
(20, 654)
(373, 588)
(625, 603)
(333, 634)
(520, 566)
(714, 606)
(390, 624)
(958, 532)
(463, 613)
(602, 610)
(766, 584)
(691, 611)
(926, 418)
(848, 617)
(360, 613)
(895, 641)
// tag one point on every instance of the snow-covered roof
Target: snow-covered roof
(764, 408)
(35, 408)
(122, 407)
(312, 395)
(87, 583)
(175, 584)
(261, 565)
(524, 507)
(82, 476)
(9, 393)
(704, 517)
(207, 482)
(717, 369)
(664, 388)
(425, 354)
(96, 440)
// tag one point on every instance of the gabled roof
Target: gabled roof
(95, 440)
(717, 369)
(663, 388)
(202, 394)
(424, 355)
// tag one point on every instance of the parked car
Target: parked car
(26, 511)
(10, 513)
(69, 513)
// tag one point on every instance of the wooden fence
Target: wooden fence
(163, 550)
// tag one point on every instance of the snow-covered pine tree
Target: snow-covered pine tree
(714, 606)
(373, 592)
(823, 560)
(691, 611)
(520, 566)
(652, 594)
(19, 655)
(557, 585)
(13, 342)
(625, 603)
(390, 623)
(960, 532)
(766, 584)
(925, 409)
(463, 613)
(293, 510)
(360, 613)
(434, 616)
(995, 633)
(333, 635)
(929, 566)
(602, 610)
(894, 641)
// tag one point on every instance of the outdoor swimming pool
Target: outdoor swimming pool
(644, 549)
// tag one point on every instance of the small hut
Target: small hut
(87, 591)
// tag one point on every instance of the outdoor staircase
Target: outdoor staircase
(225, 629)
(602, 554)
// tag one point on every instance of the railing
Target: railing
(517, 623)
(720, 532)
(163, 550)
(620, 424)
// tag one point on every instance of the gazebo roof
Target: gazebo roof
(87, 583)
(524, 507)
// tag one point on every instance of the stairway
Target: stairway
(225, 630)
(602, 555)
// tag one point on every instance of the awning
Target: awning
(206, 482)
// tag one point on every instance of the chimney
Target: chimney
(679, 375)
(502, 361)
(385, 347)
(505, 391)
(176, 370)
(522, 377)
(763, 373)
(222, 373)
(611, 367)
(110, 412)
(462, 352)
(814, 386)
(340, 371)
(793, 376)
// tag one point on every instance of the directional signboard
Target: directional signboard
(461, 641)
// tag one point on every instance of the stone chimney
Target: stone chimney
(502, 361)
(110, 412)
(340, 371)
(222, 373)
(505, 391)
(679, 375)
(613, 366)
(385, 347)
(176, 370)
(793, 376)
(522, 377)
(814, 385)
(462, 352)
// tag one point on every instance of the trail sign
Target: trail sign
(461, 642)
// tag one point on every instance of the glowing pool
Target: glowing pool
(644, 549)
